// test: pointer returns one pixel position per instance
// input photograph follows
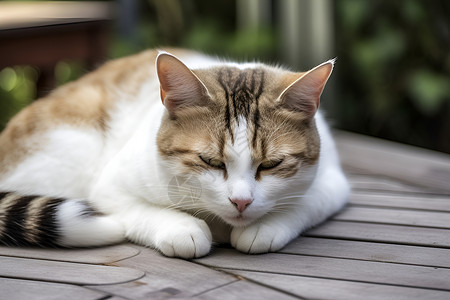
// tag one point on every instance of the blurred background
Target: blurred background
(392, 78)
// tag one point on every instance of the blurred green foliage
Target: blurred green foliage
(209, 26)
(18, 86)
(17, 90)
(394, 70)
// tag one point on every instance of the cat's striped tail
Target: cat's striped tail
(52, 222)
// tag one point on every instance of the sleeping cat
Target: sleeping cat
(172, 155)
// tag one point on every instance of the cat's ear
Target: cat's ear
(180, 87)
(303, 95)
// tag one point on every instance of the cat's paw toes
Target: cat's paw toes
(260, 238)
(187, 239)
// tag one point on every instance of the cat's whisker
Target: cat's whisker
(279, 200)
(174, 187)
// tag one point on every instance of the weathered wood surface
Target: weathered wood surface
(394, 234)
(322, 288)
(55, 271)
(17, 289)
(104, 255)
(421, 202)
(166, 277)
(423, 168)
(334, 268)
(392, 241)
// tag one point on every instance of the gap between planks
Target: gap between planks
(333, 268)
(390, 234)
(318, 288)
(369, 251)
(240, 278)
(394, 216)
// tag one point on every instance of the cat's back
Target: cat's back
(74, 121)
(84, 102)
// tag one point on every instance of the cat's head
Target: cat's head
(244, 135)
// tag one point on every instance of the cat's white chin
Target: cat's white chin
(239, 220)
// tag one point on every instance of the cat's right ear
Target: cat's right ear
(303, 95)
(180, 87)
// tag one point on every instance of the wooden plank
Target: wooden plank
(318, 288)
(429, 203)
(425, 256)
(395, 234)
(166, 277)
(145, 288)
(18, 289)
(417, 166)
(103, 255)
(52, 271)
(381, 184)
(243, 290)
(395, 216)
(332, 268)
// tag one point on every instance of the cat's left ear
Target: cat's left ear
(303, 95)
(180, 87)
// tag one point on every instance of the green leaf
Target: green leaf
(428, 90)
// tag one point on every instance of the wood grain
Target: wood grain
(332, 268)
(381, 184)
(395, 234)
(166, 276)
(416, 166)
(329, 289)
(402, 254)
(395, 216)
(104, 255)
(75, 273)
(244, 290)
(424, 203)
(17, 289)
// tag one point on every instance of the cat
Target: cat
(172, 151)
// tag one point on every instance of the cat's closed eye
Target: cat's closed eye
(212, 162)
(269, 164)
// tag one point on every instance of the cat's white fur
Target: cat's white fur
(123, 176)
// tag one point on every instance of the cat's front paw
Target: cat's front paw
(186, 239)
(260, 238)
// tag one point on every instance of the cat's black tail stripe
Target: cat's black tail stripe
(14, 233)
(2, 195)
(42, 220)
(7, 201)
(28, 220)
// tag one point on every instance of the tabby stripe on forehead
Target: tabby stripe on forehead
(246, 93)
(240, 95)
(227, 98)
(242, 90)
(256, 113)
(15, 216)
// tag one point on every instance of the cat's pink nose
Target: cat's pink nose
(241, 204)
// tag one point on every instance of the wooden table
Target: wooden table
(43, 33)
(391, 242)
